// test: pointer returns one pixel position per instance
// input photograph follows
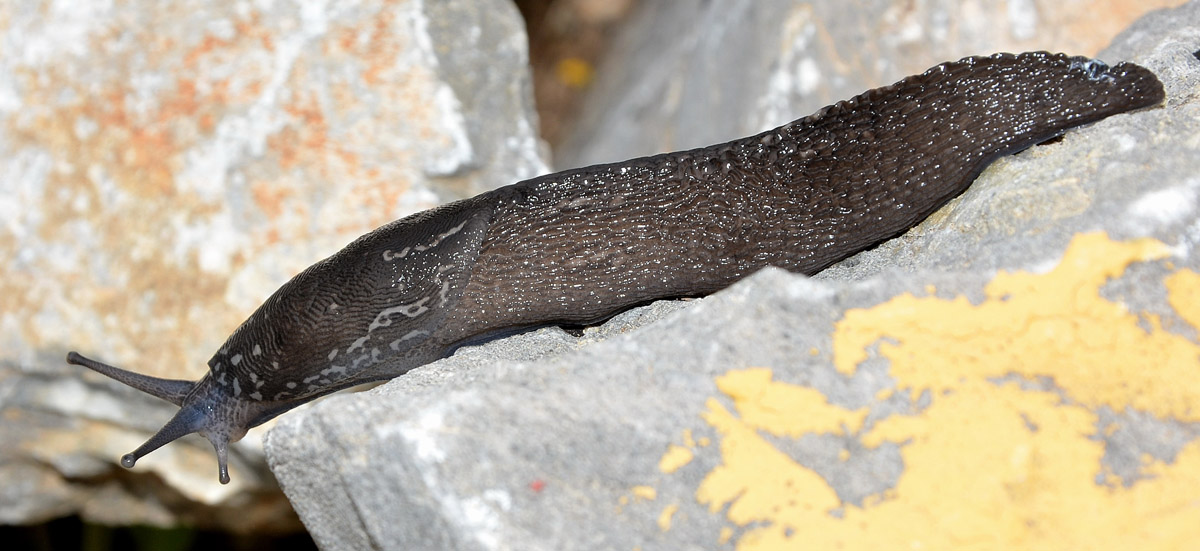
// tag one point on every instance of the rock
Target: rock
(168, 165)
(686, 74)
(1021, 367)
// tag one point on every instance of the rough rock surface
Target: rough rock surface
(1003, 373)
(167, 165)
(690, 74)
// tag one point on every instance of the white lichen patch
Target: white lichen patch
(1164, 207)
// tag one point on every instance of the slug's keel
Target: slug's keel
(195, 414)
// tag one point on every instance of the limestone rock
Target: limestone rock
(1021, 367)
(167, 166)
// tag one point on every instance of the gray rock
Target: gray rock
(668, 435)
(167, 166)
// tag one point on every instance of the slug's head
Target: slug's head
(204, 407)
(367, 313)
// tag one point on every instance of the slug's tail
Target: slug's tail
(194, 413)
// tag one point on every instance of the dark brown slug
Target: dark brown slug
(578, 246)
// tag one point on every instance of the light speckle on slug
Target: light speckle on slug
(581, 245)
(1094, 68)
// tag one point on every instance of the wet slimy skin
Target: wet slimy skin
(580, 245)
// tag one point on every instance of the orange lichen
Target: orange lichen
(269, 197)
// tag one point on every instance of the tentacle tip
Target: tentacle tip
(220, 443)
(74, 358)
(128, 460)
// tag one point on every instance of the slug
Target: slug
(578, 246)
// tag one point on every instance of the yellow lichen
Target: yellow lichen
(759, 482)
(645, 492)
(664, 518)
(675, 457)
(784, 410)
(1054, 324)
(990, 463)
(1183, 292)
(688, 441)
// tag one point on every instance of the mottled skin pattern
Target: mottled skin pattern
(581, 245)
